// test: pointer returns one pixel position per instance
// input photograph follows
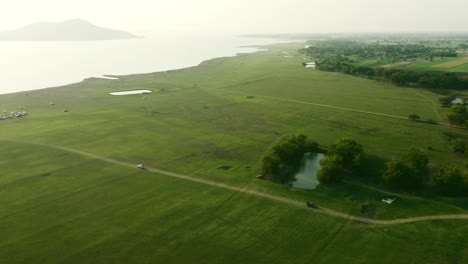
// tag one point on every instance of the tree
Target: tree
(283, 160)
(463, 47)
(417, 161)
(331, 171)
(399, 78)
(414, 117)
(457, 115)
(460, 146)
(409, 171)
(350, 153)
(396, 173)
(450, 181)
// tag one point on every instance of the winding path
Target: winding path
(296, 203)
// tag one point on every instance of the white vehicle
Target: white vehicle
(141, 166)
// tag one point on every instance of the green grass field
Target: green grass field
(458, 64)
(61, 207)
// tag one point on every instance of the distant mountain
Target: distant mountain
(69, 30)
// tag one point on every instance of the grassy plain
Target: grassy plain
(59, 207)
(458, 64)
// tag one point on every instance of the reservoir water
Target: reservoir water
(41, 64)
(306, 178)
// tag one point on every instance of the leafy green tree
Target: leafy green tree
(396, 173)
(408, 171)
(416, 160)
(450, 181)
(463, 47)
(283, 160)
(351, 153)
(457, 115)
(414, 117)
(460, 146)
(344, 157)
(331, 171)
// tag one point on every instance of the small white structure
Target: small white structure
(311, 65)
(388, 200)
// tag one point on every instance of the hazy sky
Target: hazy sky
(246, 16)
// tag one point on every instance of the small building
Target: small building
(311, 65)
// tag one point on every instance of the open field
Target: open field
(453, 64)
(62, 207)
(458, 64)
(104, 213)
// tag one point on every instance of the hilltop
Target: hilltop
(69, 30)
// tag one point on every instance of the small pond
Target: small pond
(458, 101)
(132, 92)
(306, 178)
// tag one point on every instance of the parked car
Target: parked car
(141, 166)
(312, 205)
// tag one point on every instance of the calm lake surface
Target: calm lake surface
(306, 178)
(35, 65)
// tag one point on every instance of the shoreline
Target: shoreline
(115, 77)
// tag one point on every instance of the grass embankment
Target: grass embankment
(62, 207)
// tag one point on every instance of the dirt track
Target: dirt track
(301, 204)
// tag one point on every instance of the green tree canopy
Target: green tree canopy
(351, 153)
(346, 156)
(409, 171)
(450, 181)
(460, 146)
(283, 160)
(331, 171)
(414, 117)
(458, 115)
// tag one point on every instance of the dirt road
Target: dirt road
(301, 204)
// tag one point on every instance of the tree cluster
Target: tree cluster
(451, 181)
(458, 115)
(345, 157)
(409, 172)
(283, 160)
(394, 51)
(431, 80)
(460, 146)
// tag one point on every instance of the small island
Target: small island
(69, 30)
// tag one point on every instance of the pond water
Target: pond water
(56, 63)
(306, 178)
(458, 101)
(132, 92)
